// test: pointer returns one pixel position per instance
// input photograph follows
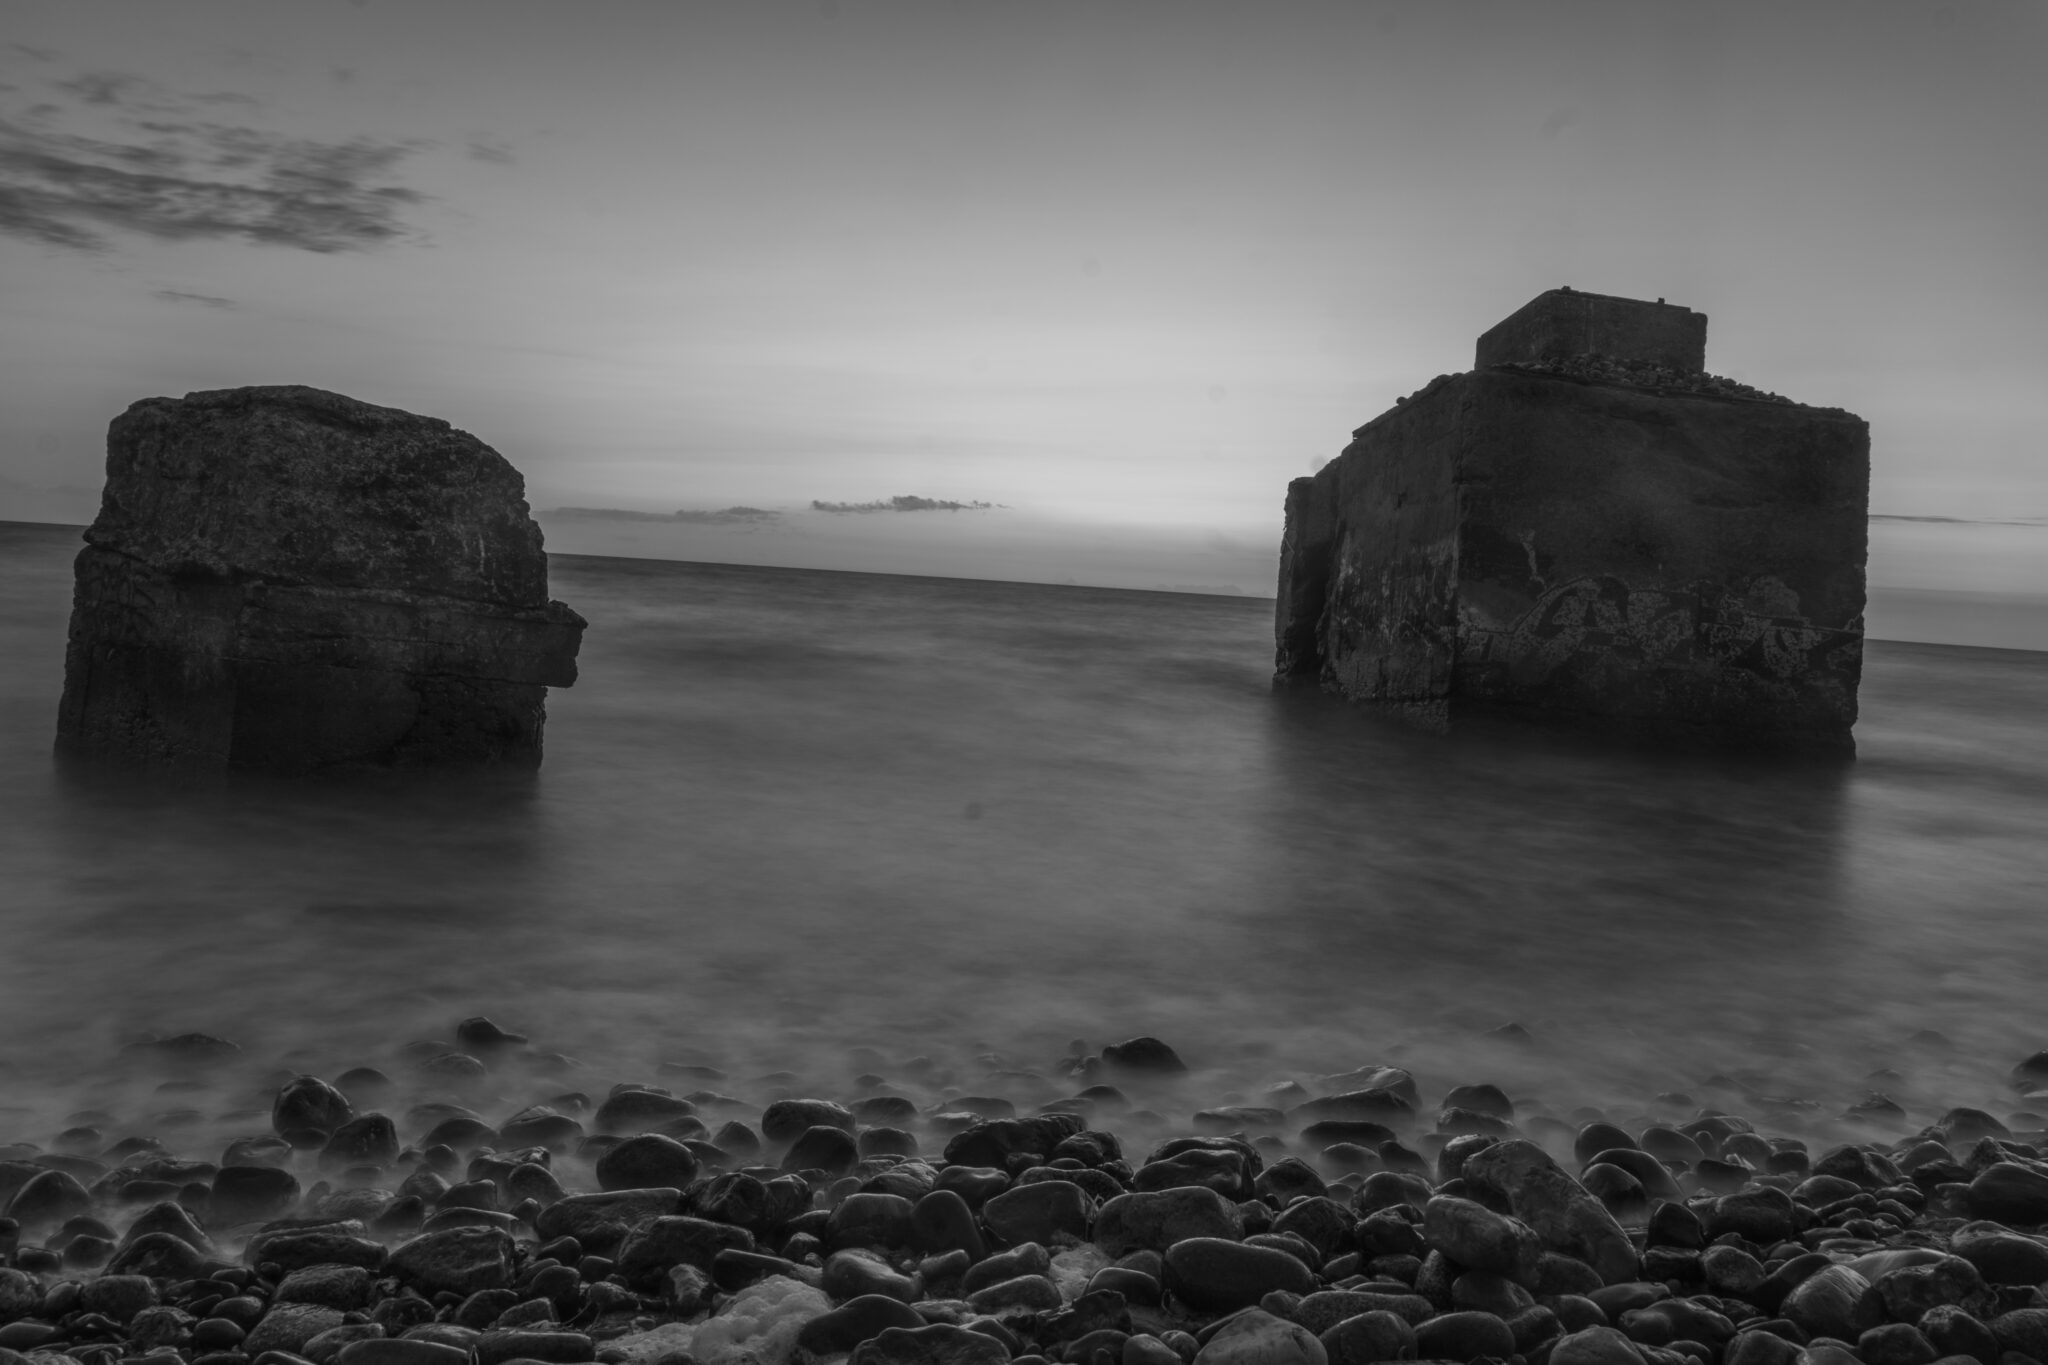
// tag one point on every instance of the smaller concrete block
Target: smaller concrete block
(1561, 323)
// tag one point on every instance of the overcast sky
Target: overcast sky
(1117, 262)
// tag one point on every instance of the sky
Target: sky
(1123, 269)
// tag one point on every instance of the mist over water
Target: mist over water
(788, 813)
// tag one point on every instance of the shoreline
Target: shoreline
(412, 1214)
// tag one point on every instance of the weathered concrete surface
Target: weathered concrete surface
(1560, 323)
(289, 579)
(1680, 564)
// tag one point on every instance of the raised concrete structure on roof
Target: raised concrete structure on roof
(1615, 540)
(1561, 323)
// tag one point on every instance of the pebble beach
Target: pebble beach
(481, 1199)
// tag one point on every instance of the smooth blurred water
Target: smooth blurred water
(787, 812)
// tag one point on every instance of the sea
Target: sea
(801, 824)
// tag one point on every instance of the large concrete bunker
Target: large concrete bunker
(1589, 527)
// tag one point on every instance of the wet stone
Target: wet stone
(787, 1120)
(942, 1221)
(646, 1161)
(289, 1326)
(47, 1198)
(1023, 1294)
(2001, 1255)
(309, 1103)
(456, 1260)
(346, 1287)
(1595, 1346)
(937, 1344)
(559, 1348)
(1367, 1338)
(324, 1348)
(856, 1321)
(1029, 1259)
(1834, 1302)
(651, 1249)
(1895, 1343)
(1155, 1220)
(1477, 1238)
(852, 1273)
(370, 1140)
(1215, 1275)
(822, 1148)
(1463, 1336)
(1260, 1338)
(251, 1194)
(119, 1297)
(2010, 1193)
(1046, 1211)
(393, 1351)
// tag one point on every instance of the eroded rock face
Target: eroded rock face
(1622, 542)
(288, 579)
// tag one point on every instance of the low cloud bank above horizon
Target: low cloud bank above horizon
(159, 167)
(902, 503)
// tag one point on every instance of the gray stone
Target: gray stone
(1154, 1220)
(120, 1297)
(400, 1351)
(1595, 1346)
(1557, 1208)
(1834, 1302)
(1464, 1336)
(1215, 1275)
(1911, 1291)
(346, 1287)
(326, 1347)
(2011, 1193)
(1047, 1211)
(561, 1348)
(881, 1220)
(646, 1161)
(1326, 1308)
(458, 1260)
(1477, 1238)
(939, 1344)
(289, 1326)
(1022, 1294)
(648, 1252)
(1260, 1338)
(1368, 1338)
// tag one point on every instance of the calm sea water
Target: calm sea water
(786, 813)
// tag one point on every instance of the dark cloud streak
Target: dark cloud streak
(182, 179)
(203, 300)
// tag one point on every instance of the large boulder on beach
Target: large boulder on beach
(1564, 1214)
(288, 579)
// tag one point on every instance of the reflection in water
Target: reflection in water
(788, 812)
(1614, 902)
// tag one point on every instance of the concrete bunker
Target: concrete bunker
(1589, 527)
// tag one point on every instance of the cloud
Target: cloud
(901, 503)
(39, 54)
(1559, 119)
(483, 148)
(175, 177)
(204, 300)
(101, 87)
